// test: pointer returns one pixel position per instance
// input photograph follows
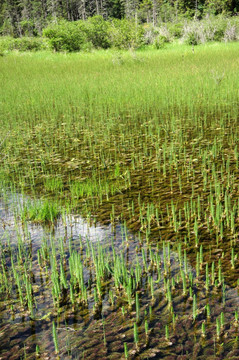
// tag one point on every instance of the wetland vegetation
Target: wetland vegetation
(119, 204)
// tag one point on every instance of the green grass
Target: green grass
(39, 212)
(75, 114)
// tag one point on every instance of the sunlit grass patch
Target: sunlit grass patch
(40, 212)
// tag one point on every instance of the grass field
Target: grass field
(146, 141)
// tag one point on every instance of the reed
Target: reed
(126, 353)
(55, 339)
(203, 329)
(136, 337)
(194, 307)
(166, 332)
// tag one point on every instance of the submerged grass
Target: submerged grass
(146, 139)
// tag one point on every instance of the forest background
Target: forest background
(73, 25)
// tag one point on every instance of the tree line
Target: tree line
(29, 17)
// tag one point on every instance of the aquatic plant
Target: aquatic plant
(55, 340)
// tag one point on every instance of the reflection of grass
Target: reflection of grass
(40, 212)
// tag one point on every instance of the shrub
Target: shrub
(231, 32)
(218, 35)
(192, 38)
(97, 30)
(66, 36)
(22, 44)
(193, 33)
(175, 29)
(150, 33)
(214, 28)
(125, 34)
(87, 46)
(160, 41)
(78, 35)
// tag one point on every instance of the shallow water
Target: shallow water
(84, 334)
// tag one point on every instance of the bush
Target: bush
(175, 29)
(125, 34)
(150, 33)
(192, 38)
(218, 35)
(160, 41)
(66, 36)
(87, 46)
(193, 33)
(212, 28)
(22, 44)
(97, 30)
(78, 35)
(231, 32)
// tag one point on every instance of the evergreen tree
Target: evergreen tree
(29, 17)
